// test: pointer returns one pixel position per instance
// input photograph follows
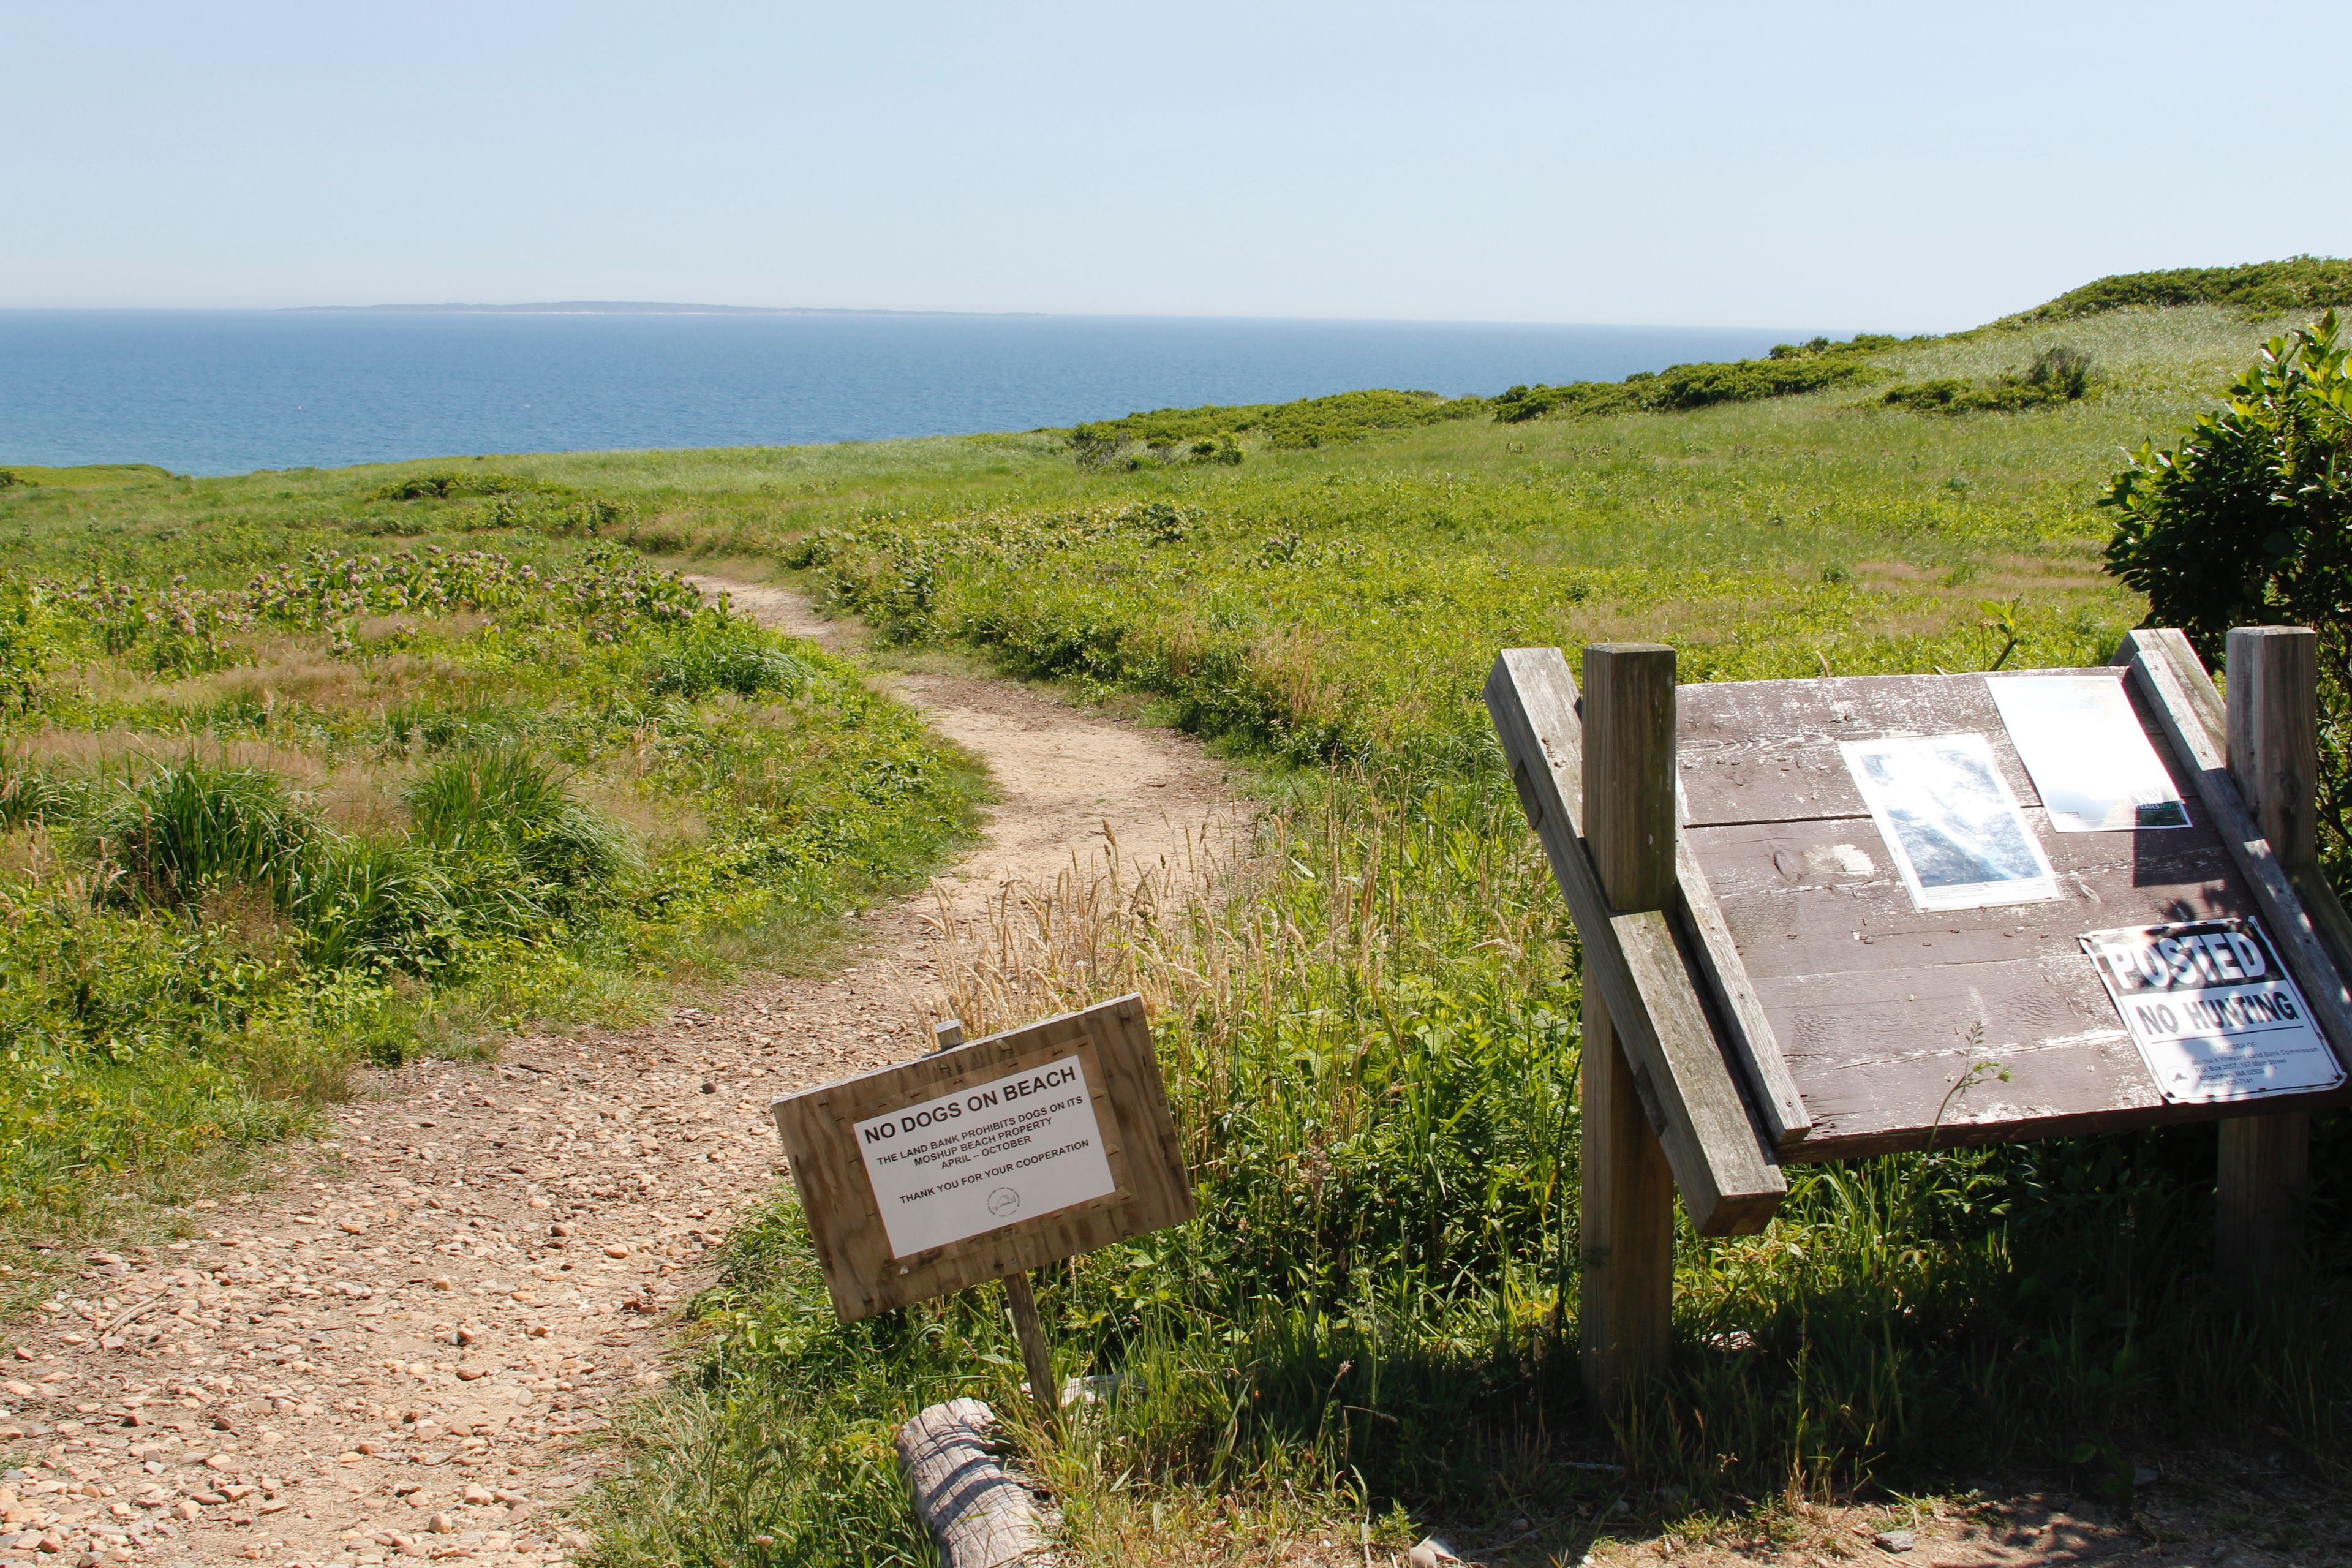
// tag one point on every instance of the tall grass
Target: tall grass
(186, 828)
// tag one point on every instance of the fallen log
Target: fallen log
(982, 1516)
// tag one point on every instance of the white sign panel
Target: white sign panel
(2086, 752)
(2214, 1014)
(1950, 822)
(982, 1157)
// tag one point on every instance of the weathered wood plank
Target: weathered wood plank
(2263, 1175)
(1767, 750)
(2328, 913)
(1036, 1355)
(1626, 1206)
(1809, 897)
(1728, 1183)
(2162, 667)
(1747, 1029)
(1793, 771)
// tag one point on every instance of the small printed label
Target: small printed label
(2214, 1014)
(985, 1157)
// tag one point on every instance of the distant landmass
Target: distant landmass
(630, 308)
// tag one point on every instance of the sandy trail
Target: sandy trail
(393, 1352)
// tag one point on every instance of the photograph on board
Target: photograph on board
(1950, 822)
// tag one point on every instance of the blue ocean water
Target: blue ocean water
(221, 392)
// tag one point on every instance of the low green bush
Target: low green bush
(1788, 370)
(716, 655)
(186, 828)
(482, 808)
(135, 1040)
(1301, 425)
(380, 907)
(2267, 287)
(2057, 374)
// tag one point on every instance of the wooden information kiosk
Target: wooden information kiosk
(1824, 919)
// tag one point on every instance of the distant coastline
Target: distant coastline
(628, 308)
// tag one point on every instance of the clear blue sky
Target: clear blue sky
(1871, 165)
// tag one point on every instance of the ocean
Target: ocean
(225, 391)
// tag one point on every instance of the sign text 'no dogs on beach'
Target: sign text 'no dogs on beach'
(987, 1158)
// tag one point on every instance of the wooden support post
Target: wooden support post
(1026, 1325)
(2263, 1181)
(1034, 1353)
(1720, 1158)
(1627, 1207)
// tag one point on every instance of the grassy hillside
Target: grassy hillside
(290, 775)
(1374, 1037)
(1372, 1026)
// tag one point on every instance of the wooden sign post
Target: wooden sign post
(985, 1160)
(1772, 977)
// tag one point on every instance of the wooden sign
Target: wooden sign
(1824, 918)
(986, 1159)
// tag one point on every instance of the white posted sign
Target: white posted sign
(984, 1157)
(2215, 1016)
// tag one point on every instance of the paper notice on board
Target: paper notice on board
(2086, 752)
(984, 1157)
(1950, 822)
(2215, 1016)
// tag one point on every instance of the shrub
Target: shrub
(31, 634)
(2060, 371)
(1307, 423)
(724, 655)
(1788, 369)
(504, 805)
(374, 904)
(184, 829)
(2058, 375)
(1748, 380)
(2250, 520)
(451, 485)
(2298, 283)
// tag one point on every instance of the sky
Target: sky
(1884, 167)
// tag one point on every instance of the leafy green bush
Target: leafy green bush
(380, 906)
(129, 1040)
(449, 485)
(2249, 521)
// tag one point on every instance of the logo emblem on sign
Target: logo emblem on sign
(1004, 1202)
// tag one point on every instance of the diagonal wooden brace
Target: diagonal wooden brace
(1656, 996)
(2309, 926)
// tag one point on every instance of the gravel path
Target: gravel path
(396, 1351)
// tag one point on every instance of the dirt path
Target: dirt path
(393, 1353)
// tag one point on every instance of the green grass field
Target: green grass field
(1371, 1027)
(287, 781)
